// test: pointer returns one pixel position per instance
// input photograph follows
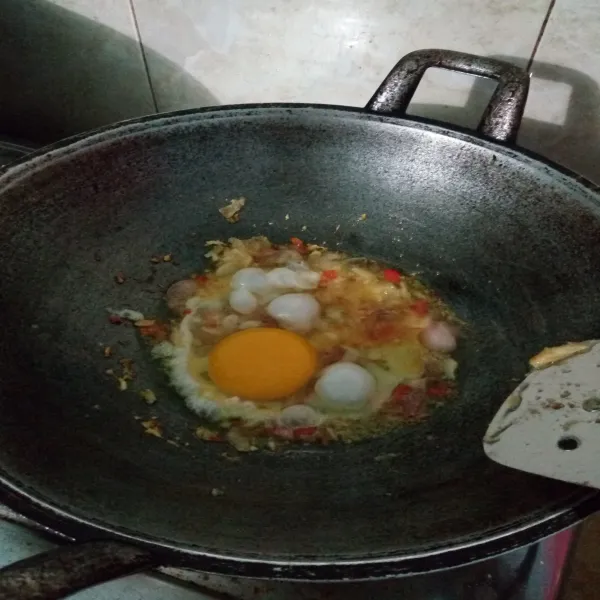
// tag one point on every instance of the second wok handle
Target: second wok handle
(502, 116)
(62, 571)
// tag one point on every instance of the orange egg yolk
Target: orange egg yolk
(262, 364)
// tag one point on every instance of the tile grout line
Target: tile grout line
(538, 40)
(143, 53)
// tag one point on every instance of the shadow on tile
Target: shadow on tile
(574, 143)
(61, 73)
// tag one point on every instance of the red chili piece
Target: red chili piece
(299, 245)
(408, 403)
(187, 311)
(304, 432)
(201, 279)
(156, 331)
(420, 307)
(439, 390)
(115, 320)
(282, 432)
(392, 276)
(327, 276)
(400, 392)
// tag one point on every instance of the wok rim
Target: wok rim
(574, 507)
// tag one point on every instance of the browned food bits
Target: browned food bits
(148, 396)
(179, 293)
(145, 323)
(127, 367)
(152, 427)
(232, 210)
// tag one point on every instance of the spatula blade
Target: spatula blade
(550, 425)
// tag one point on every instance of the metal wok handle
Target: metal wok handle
(63, 571)
(502, 117)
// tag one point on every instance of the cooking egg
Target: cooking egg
(282, 277)
(243, 301)
(252, 279)
(299, 415)
(307, 280)
(262, 364)
(184, 368)
(297, 312)
(345, 385)
(300, 277)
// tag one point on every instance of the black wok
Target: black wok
(509, 240)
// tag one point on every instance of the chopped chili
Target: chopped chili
(282, 432)
(150, 330)
(156, 331)
(299, 245)
(289, 433)
(327, 276)
(304, 432)
(115, 320)
(187, 311)
(407, 403)
(400, 392)
(439, 390)
(420, 307)
(200, 279)
(392, 276)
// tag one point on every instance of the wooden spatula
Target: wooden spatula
(550, 425)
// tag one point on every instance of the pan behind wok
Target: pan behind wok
(510, 242)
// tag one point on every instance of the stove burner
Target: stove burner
(533, 573)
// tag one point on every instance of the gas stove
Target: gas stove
(531, 573)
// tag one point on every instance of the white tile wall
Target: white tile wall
(321, 50)
(565, 96)
(70, 65)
